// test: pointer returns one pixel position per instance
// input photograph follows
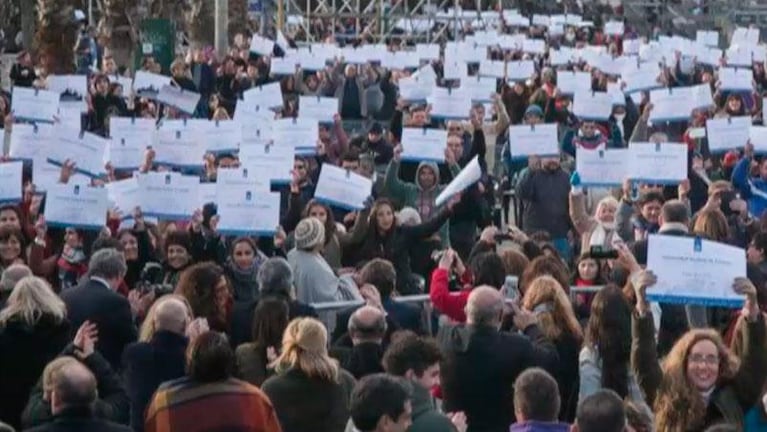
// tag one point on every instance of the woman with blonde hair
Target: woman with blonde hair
(597, 230)
(700, 382)
(148, 327)
(712, 225)
(556, 319)
(33, 331)
(310, 390)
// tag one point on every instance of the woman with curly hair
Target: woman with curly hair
(310, 391)
(556, 319)
(700, 383)
(604, 358)
(205, 287)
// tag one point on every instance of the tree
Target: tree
(238, 16)
(56, 35)
(199, 21)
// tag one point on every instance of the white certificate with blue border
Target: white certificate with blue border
(31, 141)
(10, 182)
(658, 163)
(592, 105)
(241, 177)
(533, 140)
(602, 168)
(300, 133)
(124, 196)
(179, 148)
(130, 137)
(342, 188)
(317, 108)
(30, 104)
(728, 133)
(222, 136)
(169, 196)
(419, 144)
(271, 162)
(76, 205)
(85, 149)
(248, 211)
(694, 271)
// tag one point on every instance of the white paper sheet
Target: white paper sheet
(533, 140)
(76, 205)
(602, 168)
(592, 105)
(169, 196)
(87, 150)
(31, 141)
(248, 211)
(130, 137)
(420, 144)
(10, 182)
(469, 175)
(183, 100)
(273, 163)
(342, 188)
(664, 163)
(34, 105)
(725, 134)
(148, 85)
(321, 109)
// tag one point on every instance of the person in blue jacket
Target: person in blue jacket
(752, 189)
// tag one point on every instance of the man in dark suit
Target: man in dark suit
(367, 328)
(73, 395)
(97, 301)
(382, 275)
(149, 364)
(675, 320)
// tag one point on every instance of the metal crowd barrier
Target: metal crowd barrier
(424, 300)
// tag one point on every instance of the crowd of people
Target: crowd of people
(169, 325)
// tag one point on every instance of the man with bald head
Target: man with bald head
(73, 395)
(367, 329)
(481, 362)
(143, 372)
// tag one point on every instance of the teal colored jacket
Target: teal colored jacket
(426, 418)
(412, 195)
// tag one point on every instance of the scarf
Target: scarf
(603, 235)
(72, 265)
(244, 280)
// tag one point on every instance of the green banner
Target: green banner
(157, 38)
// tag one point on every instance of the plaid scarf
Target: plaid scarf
(72, 265)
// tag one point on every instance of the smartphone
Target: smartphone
(634, 191)
(511, 288)
(600, 252)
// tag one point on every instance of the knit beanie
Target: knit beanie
(309, 234)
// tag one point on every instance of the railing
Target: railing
(426, 302)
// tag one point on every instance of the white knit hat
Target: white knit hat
(309, 234)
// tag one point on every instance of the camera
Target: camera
(151, 280)
(600, 252)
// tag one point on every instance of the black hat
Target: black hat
(375, 129)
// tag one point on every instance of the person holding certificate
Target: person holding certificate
(701, 373)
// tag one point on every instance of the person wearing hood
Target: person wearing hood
(536, 403)
(752, 189)
(622, 121)
(597, 230)
(422, 194)
(241, 268)
(545, 190)
(589, 136)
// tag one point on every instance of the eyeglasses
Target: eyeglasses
(709, 360)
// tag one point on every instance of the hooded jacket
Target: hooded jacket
(753, 190)
(414, 195)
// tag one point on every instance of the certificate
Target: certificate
(72, 89)
(87, 150)
(521, 70)
(745, 36)
(492, 68)
(424, 144)
(691, 270)
(725, 134)
(284, 65)
(45, 174)
(758, 137)
(653, 163)
(321, 109)
(222, 136)
(124, 196)
(30, 141)
(602, 168)
(414, 90)
(469, 175)
(34, 105)
(241, 177)
(207, 193)
(427, 51)
(614, 28)
(707, 37)
(533, 140)
(261, 45)
(670, 104)
(450, 104)
(454, 70)
(148, 85)
(10, 182)
(342, 188)
(129, 138)
(179, 148)
(265, 96)
(183, 100)
(593, 105)
(641, 78)
(168, 196)
(244, 211)
(76, 206)
(570, 83)
(273, 163)
(257, 132)
(480, 89)
(300, 133)
(534, 46)
(736, 79)
(560, 57)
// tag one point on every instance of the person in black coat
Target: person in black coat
(95, 300)
(146, 365)
(73, 394)
(367, 329)
(275, 280)
(29, 339)
(22, 72)
(481, 362)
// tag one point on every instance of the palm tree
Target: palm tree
(56, 35)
